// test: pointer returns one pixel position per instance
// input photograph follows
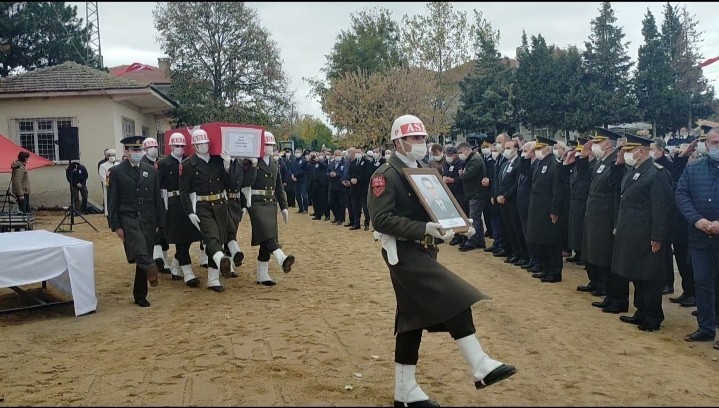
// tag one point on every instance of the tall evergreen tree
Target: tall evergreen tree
(653, 79)
(534, 77)
(568, 86)
(608, 98)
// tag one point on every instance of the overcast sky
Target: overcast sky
(306, 32)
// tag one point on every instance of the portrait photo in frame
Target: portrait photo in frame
(436, 198)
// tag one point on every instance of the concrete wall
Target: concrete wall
(99, 122)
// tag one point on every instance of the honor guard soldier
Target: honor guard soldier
(179, 230)
(266, 193)
(642, 230)
(429, 296)
(159, 251)
(136, 212)
(237, 206)
(202, 192)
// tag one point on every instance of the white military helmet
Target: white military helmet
(407, 125)
(177, 139)
(149, 142)
(269, 138)
(199, 136)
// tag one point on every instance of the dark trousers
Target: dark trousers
(161, 239)
(406, 349)
(337, 204)
(669, 260)
(182, 254)
(616, 288)
(531, 252)
(684, 264)
(495, 219)
(596, 277)
(23, 203)
(706, 275)
(550, 258)
(511, 230)
(319, 200)
(290, 193)
(139, 289)
(266, 249)
(359, 206)
(76, 193)
(487, 213)
(301, 195)
(648, 301)
(350, 213)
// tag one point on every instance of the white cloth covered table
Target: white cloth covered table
(67, 263)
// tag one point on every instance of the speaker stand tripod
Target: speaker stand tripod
(72, 213)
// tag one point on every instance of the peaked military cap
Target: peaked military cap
(635, 141)
(133, 141)
(602, 134)
(544, 141)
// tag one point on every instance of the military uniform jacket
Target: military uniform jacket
(178, 227)
(427, 293)
(580, 177)
(524, 186)
(602, 211)
(644, 216)
(150, 162)
(237, 181)
(547, 198)
(135, 205)
(263, 209)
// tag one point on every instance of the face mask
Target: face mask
(358, 156)
(370, 154)
(178, 151)
(524, 155)
(151, 152)
(539, 155)
(702, 147)
(713, 153)
(307, 157)
(298, 155)
(507, 153)
(556, 152)
(328, 158)
(486, 151)
(136, 157)
(387, 156)
(338, 159)
(418, 151)
(450, 159)
(202, 148)
(111, 159)
(268, 151)
(597, 151)
(629, 159)
(287, 155)
(437, 158)
(495, 155)
(462, 156)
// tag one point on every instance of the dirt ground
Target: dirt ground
(329, 324)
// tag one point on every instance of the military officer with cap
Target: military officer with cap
(266, 194)
(179, 230)
(642, 229)
(203, 183)
(159, 251)
(136, 212)
(600, 219)
(429, 296)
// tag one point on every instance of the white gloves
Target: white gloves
(285, 215)
(470, 233)
(226, 160)
(432, 228)
(253, 161)
(247, 191)
(195, 220)
(244, 212)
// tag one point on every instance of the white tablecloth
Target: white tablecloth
(67, 263)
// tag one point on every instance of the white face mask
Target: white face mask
(269, 150)
(178, 151)
(287, 155)
(539, 154)
(524, 155)
(450, 159)
(328, 157)
(556, 152)
(111, 159)
(370, 154)
(436, 158)
(418, 151)
(507, 153)
(597, 151)
(387, 156)
(462, 156)
(629, 159)
(486, 151)
(298, 155)
(495, 155)
(338, 159)
(358, 156)
(151, 152)
(202, 148)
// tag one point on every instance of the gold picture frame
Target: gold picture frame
(436, 198)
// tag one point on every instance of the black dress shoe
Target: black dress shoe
(678, 299)
(585, 288)
(238, 258)
(466, 248)
(217, 289)
(535, 269)
(267, 283)
(598, 292)
(615, 309)
(551, 279)
(520, 262)
(694, 312)
(366, 227)
(348, 225)
(690, 301)
(539, 275)
(604, 303)
(580, 263)
(334, 221)
(647, 328)
(233, 274)
(142, 302)
(668, 290)
(631, 319)
(456, 240)
(317, 218)
(489, 249)
(161, 266)
(425, 403)
(176, 277)
(487, 234)
(313, 215)
(287, 263)
(512, 259)
(699, 336)
(529, 265)
(354, 228)
(573, 258)
(498, 374)
(500, 253)
(193, 283)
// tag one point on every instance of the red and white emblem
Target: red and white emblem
(378, 184)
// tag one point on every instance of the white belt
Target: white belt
(173, 193)
(263, 192)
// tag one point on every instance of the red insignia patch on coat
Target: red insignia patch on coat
(378, 185)
(179, 169)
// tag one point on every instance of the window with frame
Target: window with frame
(38, 135)
(128, 127)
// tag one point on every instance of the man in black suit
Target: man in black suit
(443, 208)
(360, 171)
(506, 196)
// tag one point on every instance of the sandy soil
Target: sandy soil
(301, 342)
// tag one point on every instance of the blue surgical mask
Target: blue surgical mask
(136, 157)
(713, 153)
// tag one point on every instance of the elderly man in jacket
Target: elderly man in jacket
(471, 177)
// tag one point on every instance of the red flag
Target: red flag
(708, 62)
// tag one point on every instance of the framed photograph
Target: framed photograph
(242, 141)
(436, 198)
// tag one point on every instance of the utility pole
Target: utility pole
(93, 32)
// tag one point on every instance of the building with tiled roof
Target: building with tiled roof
(35, 107)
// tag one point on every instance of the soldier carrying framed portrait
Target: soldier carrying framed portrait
(437, 199)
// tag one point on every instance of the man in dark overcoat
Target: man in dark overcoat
(429, 296)
(135, 212)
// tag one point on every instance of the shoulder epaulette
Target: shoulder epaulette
(659, 166)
